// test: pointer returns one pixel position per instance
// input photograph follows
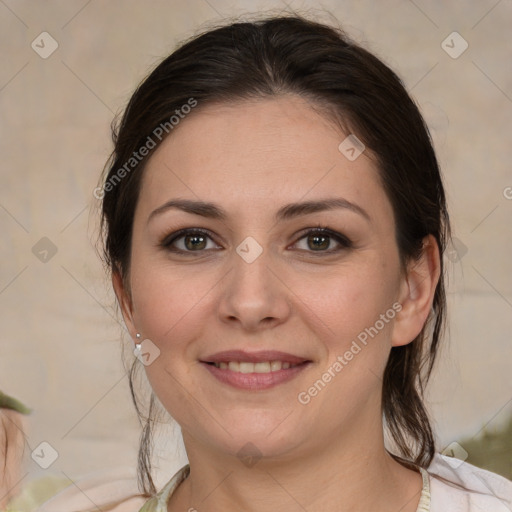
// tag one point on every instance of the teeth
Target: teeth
(247, 367)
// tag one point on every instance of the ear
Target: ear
(417, 293)
(125, 302)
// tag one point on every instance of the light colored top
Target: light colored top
(159, 502)
(449, 485)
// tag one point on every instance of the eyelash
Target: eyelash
(342, 240)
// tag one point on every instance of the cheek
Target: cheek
(170, 309)
(167, 302)
(345, 314)
(350, 301)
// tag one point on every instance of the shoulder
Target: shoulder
(113, 490)
(461, 487)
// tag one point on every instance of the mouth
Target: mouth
(257, 370)
(263, 360)
(248, 367)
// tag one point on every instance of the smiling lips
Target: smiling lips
(248, 367)
(257, 370)
(256, 362)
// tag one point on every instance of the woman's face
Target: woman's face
(254, 280)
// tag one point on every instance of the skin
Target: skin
(251, 159)
(12, 426)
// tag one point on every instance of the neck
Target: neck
(346, 473)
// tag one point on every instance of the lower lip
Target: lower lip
(255, 381)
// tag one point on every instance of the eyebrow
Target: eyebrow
(289, 211)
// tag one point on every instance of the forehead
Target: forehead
(257, 155)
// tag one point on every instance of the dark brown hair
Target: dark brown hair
(291, 54)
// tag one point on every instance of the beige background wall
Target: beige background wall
(60, 343)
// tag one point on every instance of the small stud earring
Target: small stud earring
(138, 345)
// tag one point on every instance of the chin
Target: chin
(249, 441)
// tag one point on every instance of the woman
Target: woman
(274, 222)
(277, 256)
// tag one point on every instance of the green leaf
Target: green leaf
(8, 402)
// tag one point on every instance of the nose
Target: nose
(253, 296)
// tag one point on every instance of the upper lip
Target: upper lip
(253, 357)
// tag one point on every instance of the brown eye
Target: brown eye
(318, 242)
(194, 242)
(188, 240)
(321, 240)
